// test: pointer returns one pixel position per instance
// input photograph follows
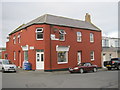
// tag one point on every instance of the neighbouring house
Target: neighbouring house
(2, 49)
(110, 48)
(52, 42)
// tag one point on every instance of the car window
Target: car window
(7, 62)
(87, 64)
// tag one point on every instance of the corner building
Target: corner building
(55, 43)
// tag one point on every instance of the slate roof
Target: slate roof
(58, 20)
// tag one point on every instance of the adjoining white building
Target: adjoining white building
(110, 48)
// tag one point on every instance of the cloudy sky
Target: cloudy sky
(103, 14)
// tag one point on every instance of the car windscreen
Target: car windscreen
(7, 62)
(115, 59)
(81, 64)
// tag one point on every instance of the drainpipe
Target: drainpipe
(50, 48)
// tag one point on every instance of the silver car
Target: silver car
(7, 65)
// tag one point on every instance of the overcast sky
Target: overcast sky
(103, 14)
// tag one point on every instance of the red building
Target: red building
(53, 43)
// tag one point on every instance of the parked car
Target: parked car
(83, 67)
(113, 63)
(7, 65)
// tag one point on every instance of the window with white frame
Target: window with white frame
(25, 55)
(62, 57)
(14, 55)
(18, 38)
(79, 56)
(91, 37)
(79, 36)
(14, 40)
(62, 35)
(92, 55)
(39, 33)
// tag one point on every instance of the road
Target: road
(60, 79)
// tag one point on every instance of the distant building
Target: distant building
(2, 49)
(110, 48)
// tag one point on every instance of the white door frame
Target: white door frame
(40, 61)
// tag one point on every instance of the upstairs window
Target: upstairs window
(39, 34)
(14, 40)
(18, 38)
(79, 36)
(62, 35)
(92, 55)
(91, 37)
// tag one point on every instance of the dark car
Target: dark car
(113, 63)
(83, 67)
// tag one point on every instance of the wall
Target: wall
(28, 37)
(71, 40)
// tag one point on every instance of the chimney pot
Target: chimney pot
(87, 18)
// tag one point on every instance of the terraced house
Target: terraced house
(52, 42)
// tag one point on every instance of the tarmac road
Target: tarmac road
(60, 79)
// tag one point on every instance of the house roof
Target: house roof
(58, 20)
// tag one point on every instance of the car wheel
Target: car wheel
(94, 69)
(3, 70)
(118, 67)
(71, 72)
(109, 68)
(81, 70)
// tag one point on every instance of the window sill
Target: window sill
(62, 40)
(91, 41)
(92, 59)
(79, 41)
(39, 39)
(62, 62)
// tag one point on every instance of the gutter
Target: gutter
(55, 25)
(50, 48)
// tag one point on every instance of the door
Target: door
(39, 60)
(79, 57)
(104, 59)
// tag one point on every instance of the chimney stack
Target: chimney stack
(87, 18)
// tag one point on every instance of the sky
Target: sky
(103, 14)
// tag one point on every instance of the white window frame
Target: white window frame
(93, 55)
(91, 37)
(62, 33)
(14, 40)
(79, 53)
(79, 36)
(39, 32)
(19, 38)
(66, 57)
(14, 55)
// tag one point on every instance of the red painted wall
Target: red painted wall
(28, 37)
